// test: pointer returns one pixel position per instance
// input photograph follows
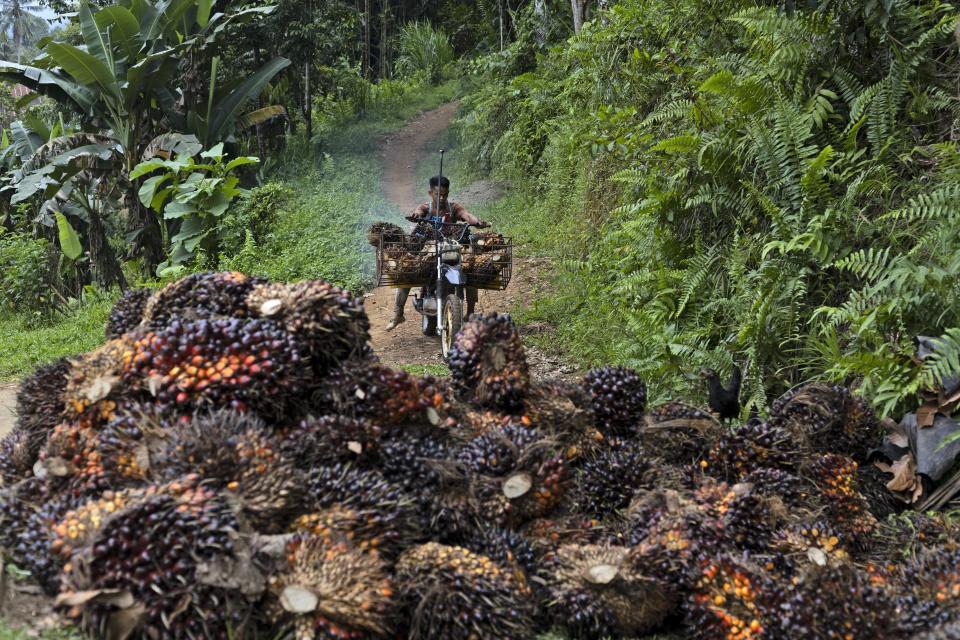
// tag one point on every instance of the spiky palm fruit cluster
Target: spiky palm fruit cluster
(910, 532)
(16, 459)
(200, 296)
(836, 479)
(451, 592)
(818, 541)
(127, 313)
(152, 549)
(41, 400)
(830, 418)
(415, 461)
(238, 364)
(79, 525)
(933, 575)
(330, 439)
(679, 433)
(28, 511)
(32, 550)
(788, 487)
(371, 497)
(607, 482)
(487, 362)
(753, 446)
(501, 451)
(558, 405)
(335, 591)
(72, 455)
(328, 321)
(370, 391)
(238, 455)
(94, 383)
(872, 484)
(618, 397)
(124, 444)
(561, 529)
(838, 602)
(510, 549)
(726, 602)
(366, 529)
(600, 591)
(739, 515)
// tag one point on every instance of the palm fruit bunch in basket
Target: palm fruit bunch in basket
(234, 461)
(383, 232)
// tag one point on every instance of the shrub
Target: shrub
(426, 50)
(253, 216)
(26, 284)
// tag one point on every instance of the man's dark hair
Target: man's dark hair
(439, 181)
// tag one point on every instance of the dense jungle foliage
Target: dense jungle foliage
(773, 185)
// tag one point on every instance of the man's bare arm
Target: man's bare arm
(462, 214)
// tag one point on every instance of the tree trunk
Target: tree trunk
(307, 100)
(540, 9)
(579, 13)
(384, 17)
(367, 19)
(103, 263)
(143, 225)
(500, 7)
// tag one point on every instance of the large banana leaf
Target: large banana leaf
(84, 67)
(260, 116)
(227, 110)
(53, 84)
(124, 29)
(25, 141)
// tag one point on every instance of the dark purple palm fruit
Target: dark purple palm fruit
(618, 397)
(488, 363)
(200, 296)
(127, 313)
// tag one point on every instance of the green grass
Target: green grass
(24, 345)
(437, 370)
(10, 633)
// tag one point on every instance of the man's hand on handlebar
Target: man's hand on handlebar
(483, 224)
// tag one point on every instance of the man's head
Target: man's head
(439, 191)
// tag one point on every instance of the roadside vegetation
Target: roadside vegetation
(773, 187)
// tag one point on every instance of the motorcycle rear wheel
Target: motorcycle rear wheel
(429, 325)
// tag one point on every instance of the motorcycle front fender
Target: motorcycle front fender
(455, 276)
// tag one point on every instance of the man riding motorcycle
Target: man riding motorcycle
(439, 205)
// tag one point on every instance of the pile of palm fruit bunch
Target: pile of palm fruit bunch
(234, 462)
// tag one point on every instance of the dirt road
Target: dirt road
(8, 404)
(407, 344)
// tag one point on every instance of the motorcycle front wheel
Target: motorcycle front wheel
(452, 322)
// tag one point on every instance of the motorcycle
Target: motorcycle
(441, 301)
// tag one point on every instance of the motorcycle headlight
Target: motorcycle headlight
(450, 253)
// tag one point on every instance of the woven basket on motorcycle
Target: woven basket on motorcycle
(384, 231)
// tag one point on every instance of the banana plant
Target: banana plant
(132, 54)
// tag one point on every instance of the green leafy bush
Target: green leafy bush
(198, 194)
(253, 215)
(25, 274)
(424, 50)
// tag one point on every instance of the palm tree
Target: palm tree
(18, 19)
